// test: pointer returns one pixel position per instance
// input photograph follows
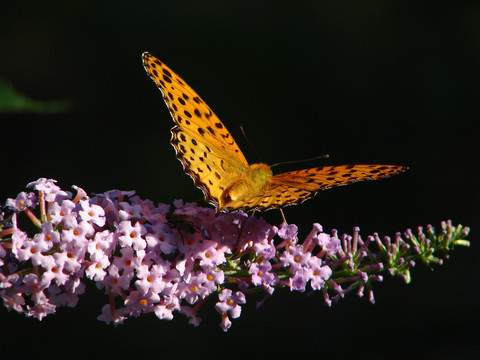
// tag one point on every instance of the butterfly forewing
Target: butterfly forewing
(204, 146)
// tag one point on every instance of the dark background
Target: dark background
(364, 81)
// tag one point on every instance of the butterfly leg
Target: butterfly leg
(283, 216)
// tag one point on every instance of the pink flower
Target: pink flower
(192, 288)
(168, 305)
(62, 212)
(111, 316)
(162, 239)
(33, 284)
(92, 213)
(151, 280)
(32, 249)
(129, 211)
(213, 278)
(331, 245)
(41, 308)
(138, 302)
(22, 201)
(14, 301)
(191, 312)
(70, 257)
(96, 271)
(298, 281)
(127, 262)
(266, 248)
(54, 270)
(102, 245)
(115, 281)
(288, 232)
(78, 233)
(52, 192)
(261, 274)
(131, 235)
(229, 302)
(51, 235)
(209, 254)
(295, 257)
(317, 274)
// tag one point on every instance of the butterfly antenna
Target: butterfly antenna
(250, 144)
(324, 156)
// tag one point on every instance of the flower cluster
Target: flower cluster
(171, 259)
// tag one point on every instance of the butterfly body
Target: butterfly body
(245, 187)
(214, 161)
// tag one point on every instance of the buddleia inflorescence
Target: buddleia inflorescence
(171, 259)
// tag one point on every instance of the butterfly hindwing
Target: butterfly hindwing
(294, 187)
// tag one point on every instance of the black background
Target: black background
(364, 81)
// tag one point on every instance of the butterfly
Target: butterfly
(214, 161)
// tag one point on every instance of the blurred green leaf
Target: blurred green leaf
(11, 101)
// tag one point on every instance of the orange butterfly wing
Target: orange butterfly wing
(202, 143)
(294, 187)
